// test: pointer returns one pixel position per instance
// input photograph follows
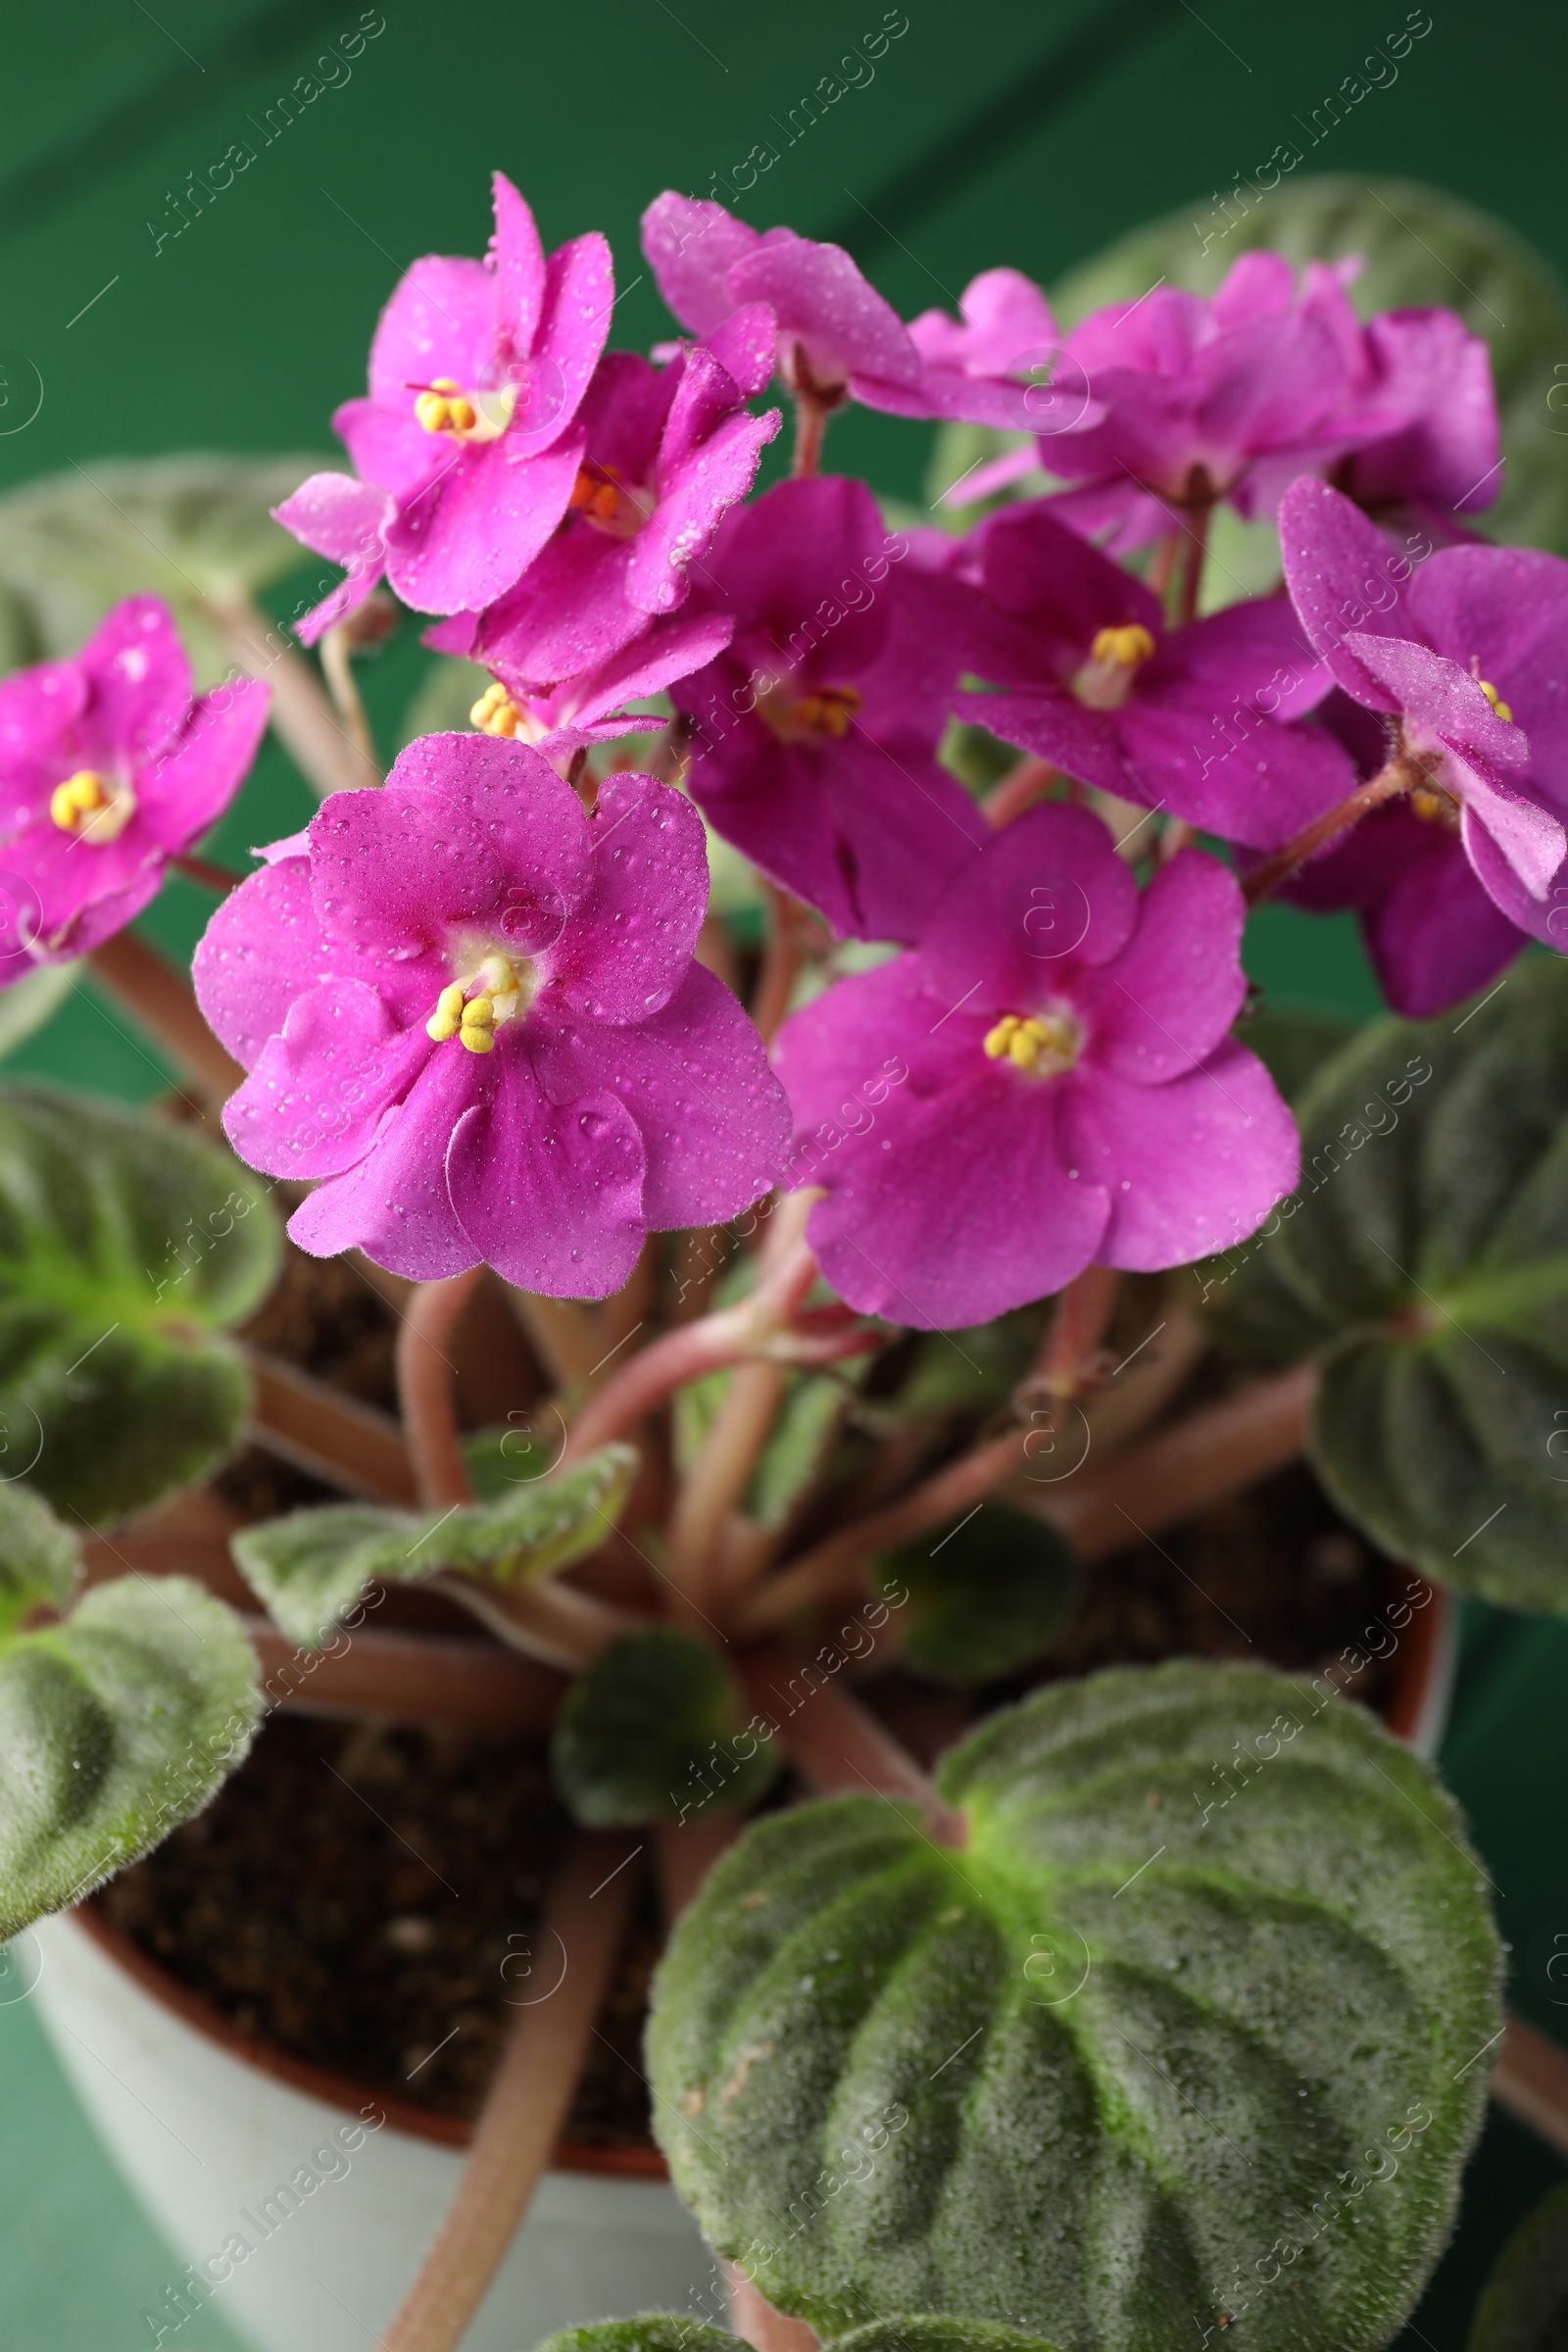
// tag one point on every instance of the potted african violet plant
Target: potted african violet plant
(1090, 2006)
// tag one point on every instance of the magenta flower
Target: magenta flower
(473, 1012)
(1467, 653)
(668, 450)
(477, 374)
(109, 769)
(592, 707)
(1191, 720)
(1423, 413)
(347, 521)
(1432, 932)
(836, 334)
(1050, 1080)
(816, 730)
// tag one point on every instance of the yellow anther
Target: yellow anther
(444, 383)
(1128, 645)
(77, 798)
(444, 1023)
(477, 1041)
(462, 416)
(1029, 1040)
(443, 407)
(432, 412)
(496, 713)
(829, 712)
(1495, 699)
(479, 1012)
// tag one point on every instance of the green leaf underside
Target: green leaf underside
(39, 1560)
(1524, 2307)
(1431, 1246)
(1132, 2052)
(311, 1568)
(904, 2332)
(187, 528)
(127, 1246)
(984, 1595)
(1419, 246)
(655, 1730)
(114, 1727)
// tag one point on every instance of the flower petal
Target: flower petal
(1189, 1167)
(469, 536)
(138, 678)
(549, 1193)
(518, 261)
(394, 1203)
(714, 1121)
(1342, 575)
(261, 949)
(690, 244)
(1168, 999)
(198, 774)
(313, 1103)
(627, 943)
(1048, 894)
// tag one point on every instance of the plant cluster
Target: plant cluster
(858, 897)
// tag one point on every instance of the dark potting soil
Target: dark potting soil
(369, 1898)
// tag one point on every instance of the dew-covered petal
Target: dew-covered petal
(1166, 1001)
(1047, 894)
(1344, 578)
(551, 1194)
(197, 775)
(261, 950)
(315, 1099)
(393, 1203)
(691, 243)
(468, 537)
(627, 943)
(1188, 1167)
(137, 676)
(714, 1120)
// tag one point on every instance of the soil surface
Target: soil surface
(369, 1898)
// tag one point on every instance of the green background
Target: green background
(989, 132)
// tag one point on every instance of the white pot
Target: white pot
(206, 2140)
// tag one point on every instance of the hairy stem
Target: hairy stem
(811, 412)
(1018, 790)
(160, 997)
(1189, 578)
(552, 1621)
(586, 1919)
(781, 963)
(763, 2328)
(719, 1478)
(302, 714)
(836, 1743)
(338, 667)
(1387, 785)
(1082, 1316)
(424, 1387)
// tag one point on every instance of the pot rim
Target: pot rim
(333, 2089)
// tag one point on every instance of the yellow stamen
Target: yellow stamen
(1495, 699)
(829, 712)
(443, 407)
(1127, 646)
(496, 713)
(72, 800)
(1032, 1040)
(447, 1018)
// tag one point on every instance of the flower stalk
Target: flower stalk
(1273, 871)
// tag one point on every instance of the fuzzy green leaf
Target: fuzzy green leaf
(310, 1568)
(126, 1247)
(655, 1730)
(195, 530)
(1419, 246)
(39, 1560)
(649, 2331)
(922, 2332)
(1524, 2307)
(115, 1726)
(982, 1596)
(1211, 1980)
(1430, 1240)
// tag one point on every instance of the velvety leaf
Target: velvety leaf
(1293, 1044)
(39, 1560)
(797, 1443)
(655, 1730)
(649, 2331)
(189, 529)
(984, 1594)
(115, 1726)
(310, 1568)
(937, 2331)
(1431, 1241)
(28, 1004)
(1420, 246)
(1210, 1982)
(508, 1456)
(1524, 2306)
(126, 1247)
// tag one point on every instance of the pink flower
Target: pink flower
(473, 1011)
(1467, 652)
(109, 769)
(1001, 362)
(1191, 720)
(816, 730)
(347, 521)
(668, 450)
(592, 707)
(1422, 416)
(477, 374)
(1047, 1079)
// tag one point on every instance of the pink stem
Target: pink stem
(833, 1741)
(1082, 1316)
(763, 2328)
(586, 1919)
(1530, 2081)
(1387, 785)
(424, 1387)
(1018, 790)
